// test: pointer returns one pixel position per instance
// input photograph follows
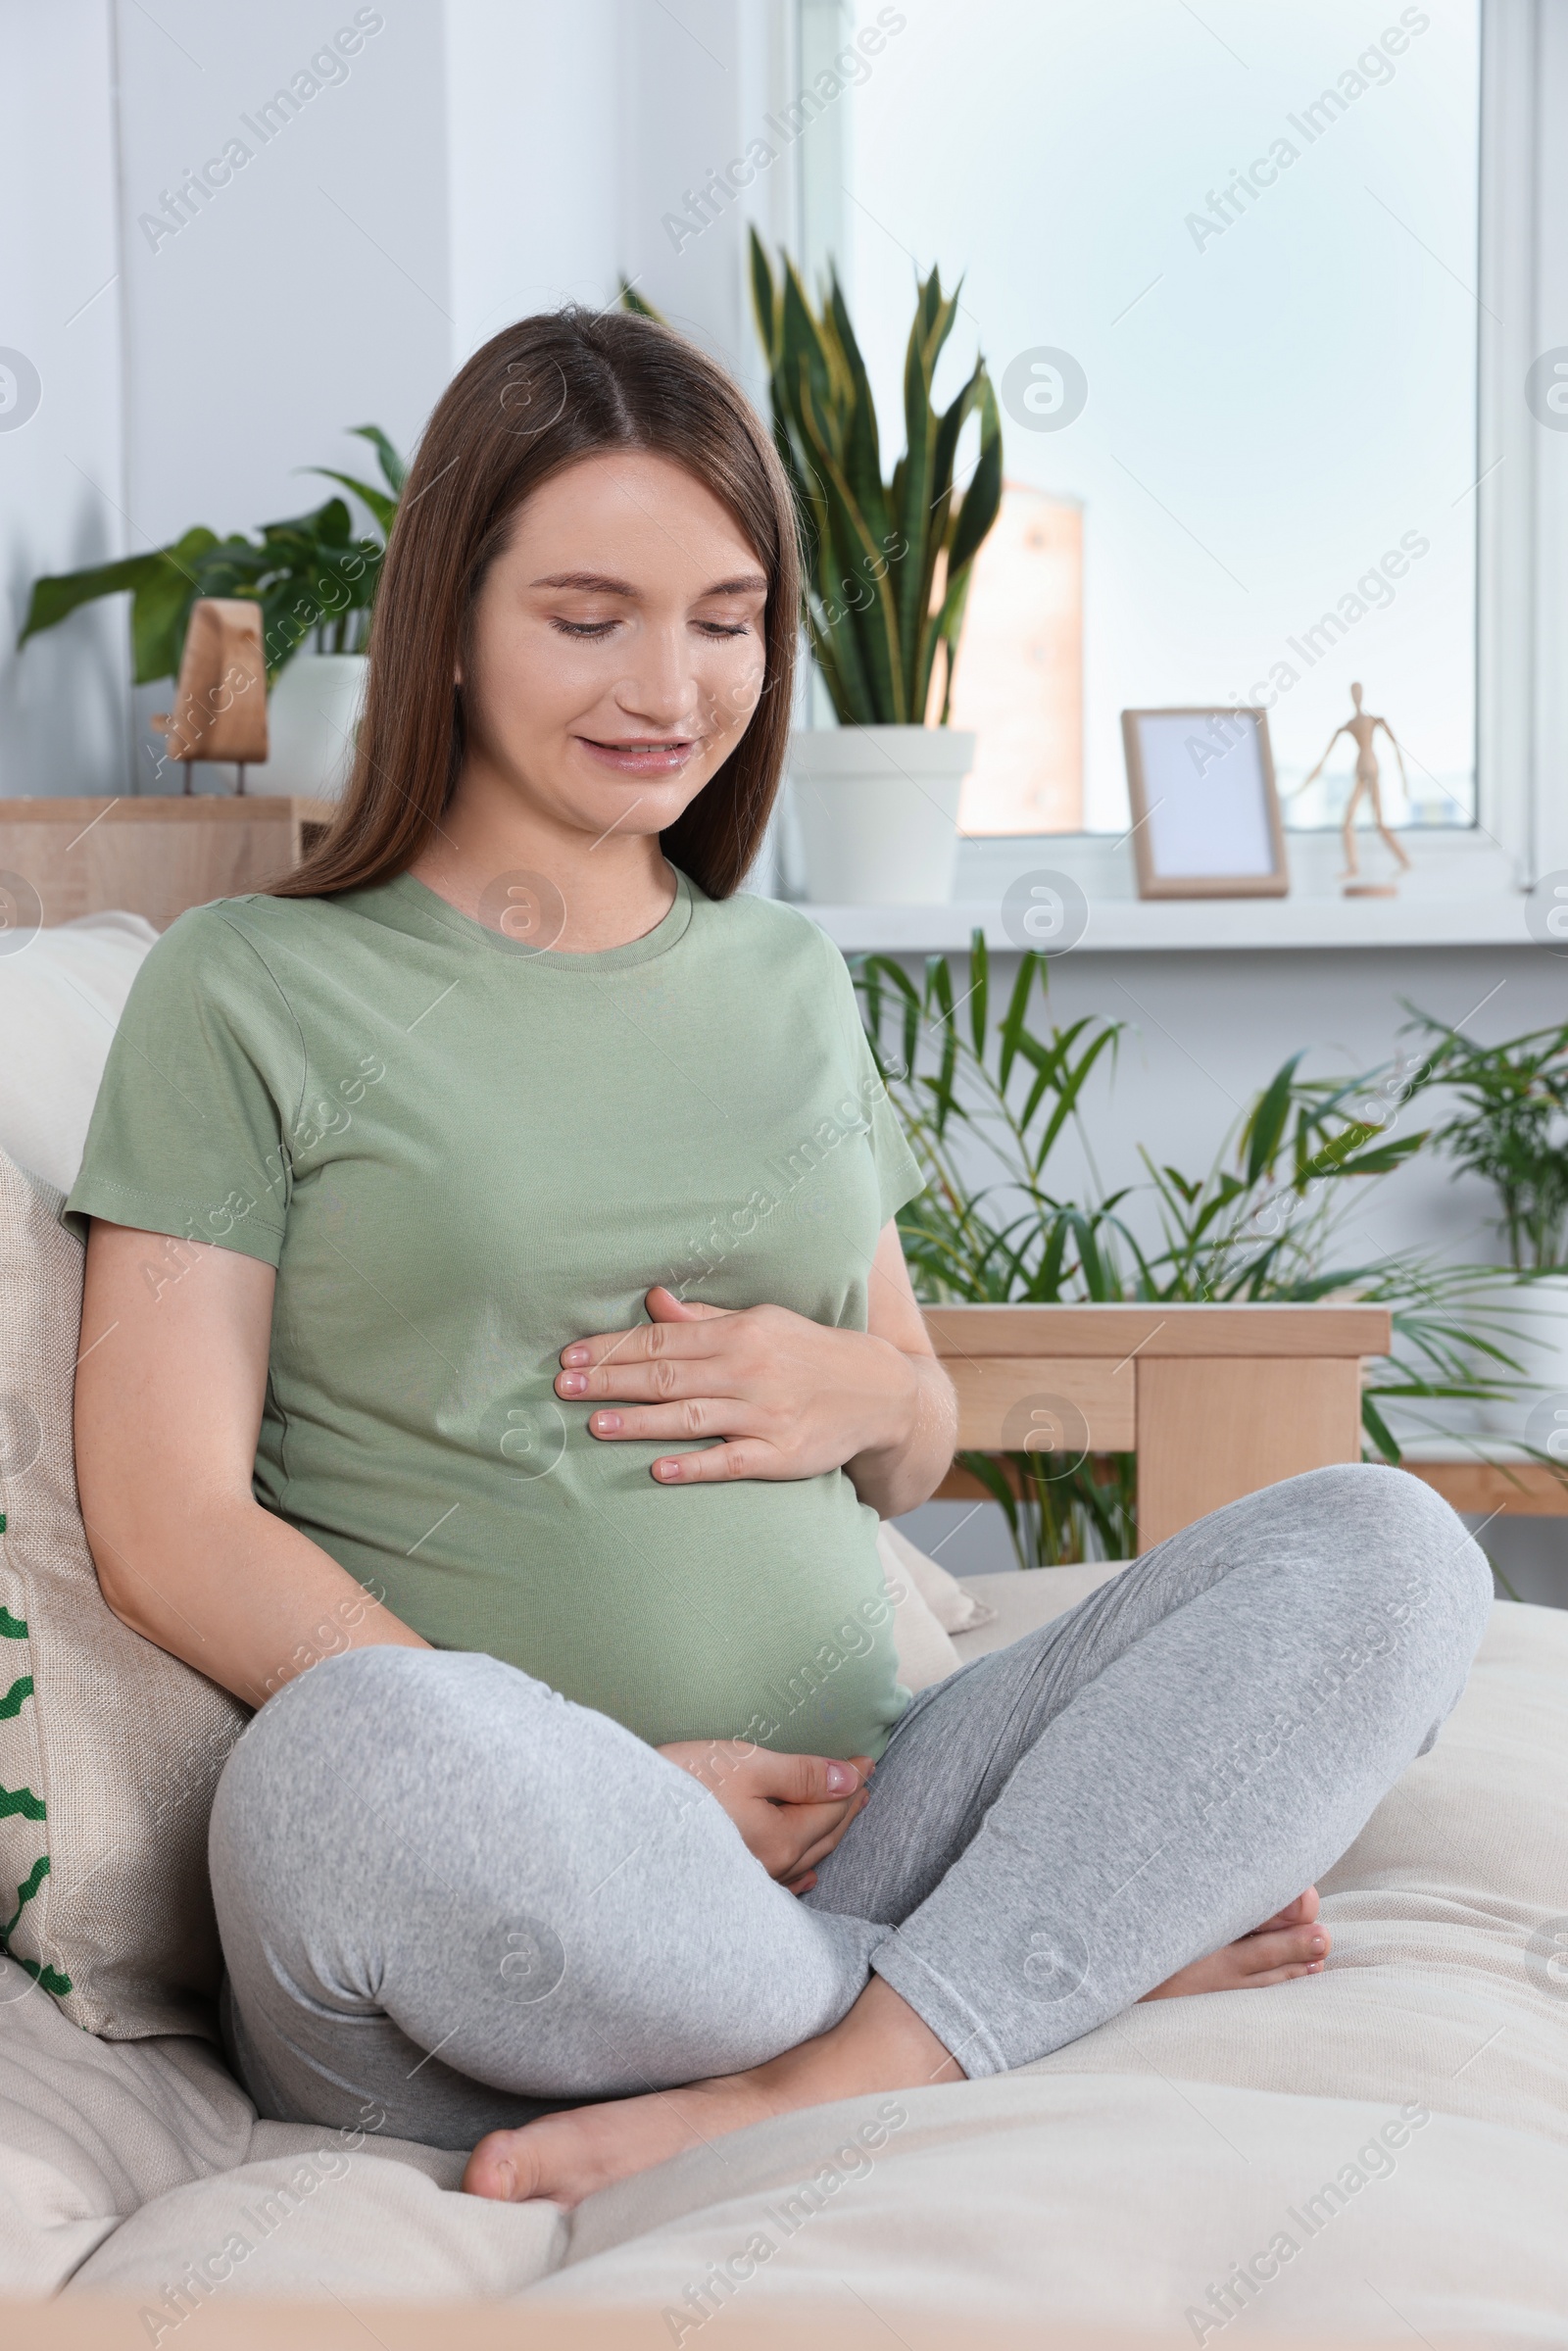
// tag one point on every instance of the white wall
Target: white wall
(470, 161)
(309, 294)
(312, 292)
(63, 703)
(536, 165)
(696, 104)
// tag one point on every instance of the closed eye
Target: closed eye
(593, 630)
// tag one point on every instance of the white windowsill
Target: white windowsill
(1133, 925)
(1464, 891)
(1477, 1447)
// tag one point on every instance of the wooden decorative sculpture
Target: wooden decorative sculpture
(220, 701)
(1361, 729)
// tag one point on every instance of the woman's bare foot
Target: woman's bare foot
(1291, 1943)
(881, 2044)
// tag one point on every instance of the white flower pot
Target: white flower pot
(878, 811)
(1535, 1336)
(312, 714)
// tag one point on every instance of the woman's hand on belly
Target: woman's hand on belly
(784, 1397)
(791, 1810)
(789, 1398)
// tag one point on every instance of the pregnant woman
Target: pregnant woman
(498, 1354)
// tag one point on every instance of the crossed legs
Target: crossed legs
(449, 1892)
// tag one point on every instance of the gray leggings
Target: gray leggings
(451, 1895)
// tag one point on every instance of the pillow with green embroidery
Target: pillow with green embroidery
(109, 1748)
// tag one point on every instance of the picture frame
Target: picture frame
(1205, 808)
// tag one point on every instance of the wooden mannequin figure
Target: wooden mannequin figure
(1361, 729)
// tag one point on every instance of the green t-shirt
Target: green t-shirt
(460, 1155)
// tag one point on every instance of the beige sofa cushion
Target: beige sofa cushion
(1074, 2202)
(91, 2130)
(366, 2222)
(110, 1749)
(1117, 2182)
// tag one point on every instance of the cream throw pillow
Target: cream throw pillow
(956, 1609)
(110, 1749)
(59, 1001)
(924, 1653)
(928, 1605)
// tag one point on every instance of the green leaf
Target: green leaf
(1377, 1427)
(1384, 1160)
(856, 557)
(394, 470)
(1069, 1082)
(979, 989)
(62, 593)
(160, 611)
(1013, 1026)
(982, 500)
(920, 537)
(383, 507)
(330, 525)
(941, 636)
(765, 300)
(939, 992)
(164, 584)
(804, 367)
(1266, 1124)
(862, 455)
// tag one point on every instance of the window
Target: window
(1223, 265)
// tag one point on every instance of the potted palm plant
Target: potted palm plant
(987, 1086)
(1511, 1128)
(314, 580)
(888, 565)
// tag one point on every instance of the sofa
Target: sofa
(1378, 2154)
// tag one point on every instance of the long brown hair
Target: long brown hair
(540, 395)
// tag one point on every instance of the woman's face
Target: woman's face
(617, 650)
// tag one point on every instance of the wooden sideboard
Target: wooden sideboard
(153, 856)
(1217, 1402)
(1498, 1489)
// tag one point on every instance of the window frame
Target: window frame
(1520, 829)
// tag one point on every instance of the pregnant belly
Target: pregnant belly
(747, 1611)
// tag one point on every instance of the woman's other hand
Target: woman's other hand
(784, 1397)
(791, 1810)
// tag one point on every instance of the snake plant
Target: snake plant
(887, 564)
